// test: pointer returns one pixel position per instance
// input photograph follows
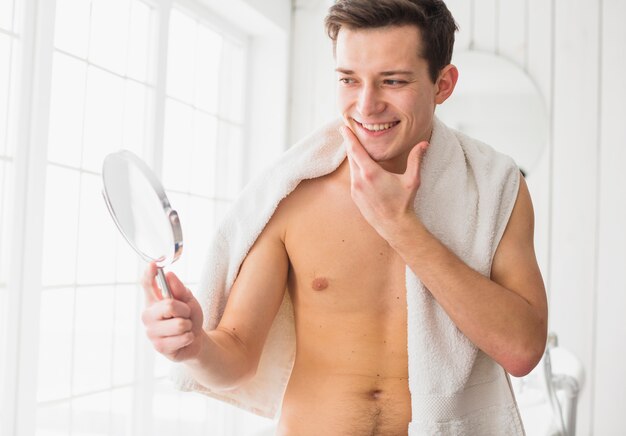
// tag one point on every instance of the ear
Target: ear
(446, 83)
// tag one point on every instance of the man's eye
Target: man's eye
(346, 80)
(393, 82)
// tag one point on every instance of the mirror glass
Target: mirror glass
(138, 205)
(496, 102)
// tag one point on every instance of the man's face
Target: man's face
(385, 93)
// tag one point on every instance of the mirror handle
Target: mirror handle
(165, 290)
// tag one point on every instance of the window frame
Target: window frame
(34, 21)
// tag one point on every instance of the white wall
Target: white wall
(312, 70)
(574, 51)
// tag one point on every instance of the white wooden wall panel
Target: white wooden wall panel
(538, 63)
(610, 375)
(485, 26)
(575, 183)
(462, 13)
(539, 56)
(511, 26)
(313, 76)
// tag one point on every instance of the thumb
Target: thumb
(414, 161)
(177, 288)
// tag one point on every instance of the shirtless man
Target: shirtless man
(339, 245)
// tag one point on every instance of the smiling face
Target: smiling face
(385, 93)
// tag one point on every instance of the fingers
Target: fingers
(152, 290)
(165, 309)
(149, 284)
(171, 344)
(354, 149)
(414, 162)
(178, 289)
(168, 328)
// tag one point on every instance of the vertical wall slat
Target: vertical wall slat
(462, 12)
(575, 183)
(511, 37)
(28, 209)
(538, 64)
(485, 26)
(610, 378)
(313, 76)
(539, 56)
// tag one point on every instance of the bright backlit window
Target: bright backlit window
(100, 102)
(95, 371)
(7, 90)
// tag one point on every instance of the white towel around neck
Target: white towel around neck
(465, 199)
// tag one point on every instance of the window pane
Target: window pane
(6, 199)
(199, 225)
(6, 14)
(181, 59)
(204, 159)
(128, 267)
(178, 143)
(71, 29)
(109, 34)
(135, 108)
(66, 111)
(193, 415)
(103, 117)
(230, 156)
(208, 54)
(93, 339)
(122, 411)
(55, 344)
(126, 318)
(233, 82)
(162, 365)
(139, 41)
(53, 420)
(97, 235)
(5, 75)
(60, 224)
(165, 406)
(91, 416)
(3, 340)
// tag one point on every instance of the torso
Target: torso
(350, 375)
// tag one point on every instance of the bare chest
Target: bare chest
(338, 263)
(348, 290)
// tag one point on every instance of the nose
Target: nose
(370, 101)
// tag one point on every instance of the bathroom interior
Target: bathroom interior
(208, 93)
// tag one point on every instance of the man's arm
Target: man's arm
(504, 315)
(227, 356)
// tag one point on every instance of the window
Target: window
(8, 38)
(117, 82)
(99, 102)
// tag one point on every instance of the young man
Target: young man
(350, 244)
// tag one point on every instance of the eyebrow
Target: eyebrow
(384, 73)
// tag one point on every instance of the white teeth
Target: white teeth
(378, 127)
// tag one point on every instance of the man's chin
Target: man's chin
(376, 152)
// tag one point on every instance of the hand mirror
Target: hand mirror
(138, 205)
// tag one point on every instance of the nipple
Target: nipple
(320, 283)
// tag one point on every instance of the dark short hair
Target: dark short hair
(432, 17)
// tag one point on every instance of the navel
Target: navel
(320, 283)
(375, 394)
